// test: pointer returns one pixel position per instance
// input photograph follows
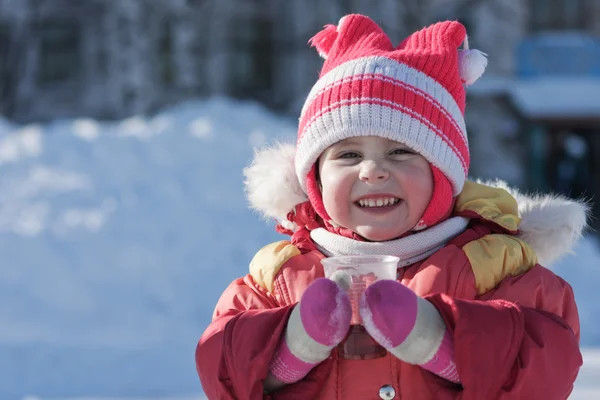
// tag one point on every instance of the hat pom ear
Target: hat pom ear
(324, 40)
(271, 183)
(471, 65)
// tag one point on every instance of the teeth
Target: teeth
(381, 202)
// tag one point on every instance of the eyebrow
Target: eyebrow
(346, 142)
(401, 146)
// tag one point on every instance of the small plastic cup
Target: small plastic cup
(355, 274)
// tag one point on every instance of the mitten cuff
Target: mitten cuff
(442, 364)
(425, 338)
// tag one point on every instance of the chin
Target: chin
(378, 235)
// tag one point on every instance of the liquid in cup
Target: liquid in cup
(356, 273)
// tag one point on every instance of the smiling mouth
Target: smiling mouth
(379, 202)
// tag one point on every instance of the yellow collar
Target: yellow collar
(491, 204)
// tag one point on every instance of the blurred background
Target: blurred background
(124, 129)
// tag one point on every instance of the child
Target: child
(380, 167)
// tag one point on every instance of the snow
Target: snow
(118, 237)
(26, 142)
(86, 129)
(587, 386)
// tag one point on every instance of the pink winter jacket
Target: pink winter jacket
(514, 322)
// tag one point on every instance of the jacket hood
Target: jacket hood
(551, 224)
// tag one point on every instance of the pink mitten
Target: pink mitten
(409, 327)
(318, 323)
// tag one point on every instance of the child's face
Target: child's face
(377, 187)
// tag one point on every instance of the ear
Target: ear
(353, 31)
(272, 186)
(323, 41)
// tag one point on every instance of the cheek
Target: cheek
(335, 191)
(418, 180)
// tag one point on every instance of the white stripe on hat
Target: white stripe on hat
(349, 121)
(391, 69)
(360, 101)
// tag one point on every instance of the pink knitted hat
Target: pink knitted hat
(413, 94)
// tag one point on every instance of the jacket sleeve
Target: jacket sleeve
(519, 341)
(233, 354)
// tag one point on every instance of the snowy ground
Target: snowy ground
(117, 239)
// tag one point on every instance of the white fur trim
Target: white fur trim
(551, 224)
(271, 183)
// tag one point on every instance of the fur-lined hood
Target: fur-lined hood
(551, 224)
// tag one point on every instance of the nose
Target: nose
(372, 171)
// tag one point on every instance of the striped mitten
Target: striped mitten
(409, 327)
(318, 323)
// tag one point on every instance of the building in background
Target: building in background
(103, 59)
(110, 59)
(549, 105)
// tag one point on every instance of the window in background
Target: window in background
(251, 73)
(571, 163)
(557, 15)
(59, 52)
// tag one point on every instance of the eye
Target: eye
(349, 154)
(401, 152)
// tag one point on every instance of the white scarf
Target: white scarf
(410, 249)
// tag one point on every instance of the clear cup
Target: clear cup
(355, 274)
